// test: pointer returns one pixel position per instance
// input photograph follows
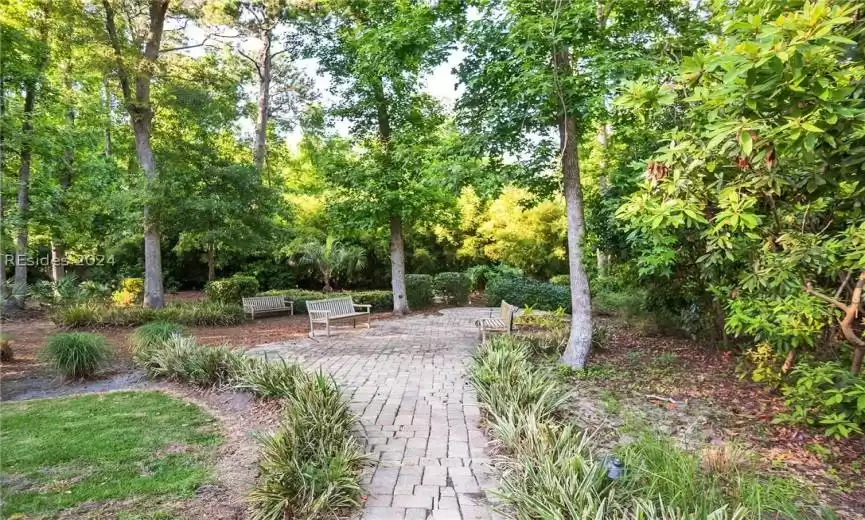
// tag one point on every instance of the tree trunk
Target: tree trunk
(107, 131)
(580, 339)
(141, 115)
(259, 148)
(154, 296)
(211, 263)
(58, 245)
(397, 266)
(24, 193)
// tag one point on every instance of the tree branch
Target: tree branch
(828, 299)
(191, 46)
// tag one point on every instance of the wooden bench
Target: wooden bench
(325, 311)
(266, 304)
(504, 323)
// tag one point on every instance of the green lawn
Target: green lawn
(140, 447)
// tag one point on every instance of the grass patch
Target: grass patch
(65, 452)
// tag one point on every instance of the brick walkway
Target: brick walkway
(406, 381)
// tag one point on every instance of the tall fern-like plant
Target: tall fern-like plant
(330, 259)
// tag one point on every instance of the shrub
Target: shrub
(828, 395)
(182, 359)
(75, 354)
(419, 290)
(269, 380)
(380, 300)
(453, 287)
(6, 353)
(89, 315)
(231, 290)
(481, 275)
(522, 292)
(561, 279)
(310, 468)
(130, 292)
(146, 339)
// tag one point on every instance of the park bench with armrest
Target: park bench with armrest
(333, 309)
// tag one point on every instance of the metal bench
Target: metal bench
(504, 323)
(267, 304)
(325, 311)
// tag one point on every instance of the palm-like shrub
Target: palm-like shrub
(330, 259)
(75, 354)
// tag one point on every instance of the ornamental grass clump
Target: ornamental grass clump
(310, 468)
(75, 355)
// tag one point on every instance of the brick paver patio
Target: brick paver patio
(406, 381)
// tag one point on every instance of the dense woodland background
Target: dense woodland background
(711, 155)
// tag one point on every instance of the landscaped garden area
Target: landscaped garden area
(385, 259)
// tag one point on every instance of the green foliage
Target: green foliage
(826, 395)
(310, 468)
(129, 292)
(522, 291)
(268, 379)
(453, 287)
(193, 314)
(147, 338)
(481, 275)
(419, 290)
(380, 300)
(330, 259)
(561, 279)
(75, 354)
(231, 290)
(551, 470)
(181, 359)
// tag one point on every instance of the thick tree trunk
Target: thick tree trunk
(397, 266)
(2, 190)
(154, 296)
(580, 339)
(141, 114)
(259, 148)
(26, 155)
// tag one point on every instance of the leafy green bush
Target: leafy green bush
(380, 300)
(561, 279)
(310, 468)
(827, 395)
(129, 292)
(419, 290)
(89, 315)
(522, 292)
(481, 275)
(231, 290)
(628, 303)
(182, 359)
(75, 354)
(453, 287)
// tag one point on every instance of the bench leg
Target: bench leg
(354, 323)
(327, 326)
(367, 320)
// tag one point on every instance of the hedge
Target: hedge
(90, 315)
(231, 290)
(419, 290)
(522, 292)
(380, 300)
(561, 279)
(453, 287)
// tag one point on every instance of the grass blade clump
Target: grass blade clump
(75, 354)
(310, 468)
(182, 359)
(268, 379)
(147, 339)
